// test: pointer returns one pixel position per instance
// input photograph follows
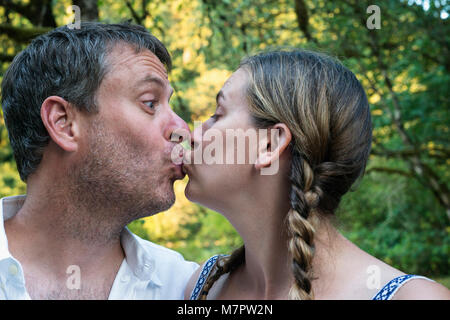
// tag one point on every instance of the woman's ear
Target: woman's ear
(59, 118)
(272, 145)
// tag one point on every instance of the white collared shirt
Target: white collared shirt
(149, 271)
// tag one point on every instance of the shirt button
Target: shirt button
(13, 270)
(149, 265)
(125, 278)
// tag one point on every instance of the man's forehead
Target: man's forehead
(125, 56)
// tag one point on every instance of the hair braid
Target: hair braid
(304, 199)
(222, 266)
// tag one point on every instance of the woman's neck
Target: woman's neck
(263, 230)
(266, 273)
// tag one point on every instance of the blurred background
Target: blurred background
(400, 210)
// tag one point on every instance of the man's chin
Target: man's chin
(162, 204)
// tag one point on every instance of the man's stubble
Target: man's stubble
(116, 181)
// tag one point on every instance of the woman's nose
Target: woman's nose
(197, 134)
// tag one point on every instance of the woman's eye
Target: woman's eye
(150, 104)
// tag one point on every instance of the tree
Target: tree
(398, 65)
(401, 210)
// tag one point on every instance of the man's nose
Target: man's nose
(178, 129)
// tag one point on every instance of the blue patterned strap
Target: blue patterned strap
(208, 266)
(389, 290)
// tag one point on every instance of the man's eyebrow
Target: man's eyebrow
(219, 95)
(153, 79)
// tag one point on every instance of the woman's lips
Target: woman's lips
(187, 156)
(187, 160)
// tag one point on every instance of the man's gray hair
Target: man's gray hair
(69, 63)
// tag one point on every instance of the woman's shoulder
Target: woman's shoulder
(363, 276)
(420, 288)
(397, 285)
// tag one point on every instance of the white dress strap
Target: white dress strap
(389, 290)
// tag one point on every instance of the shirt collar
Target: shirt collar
(8, 208)
(137, 256)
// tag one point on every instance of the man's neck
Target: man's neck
(52, 237)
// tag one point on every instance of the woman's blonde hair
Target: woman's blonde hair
(326, 109)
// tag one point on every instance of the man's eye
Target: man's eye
(150, 104)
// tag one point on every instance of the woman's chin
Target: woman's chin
(195, 194)
(189, 192)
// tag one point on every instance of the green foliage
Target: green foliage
(443, 280)
(209, 235)
(398, 212)
(384, 218)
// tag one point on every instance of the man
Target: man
(88, 117)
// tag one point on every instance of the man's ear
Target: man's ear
(59, 118)
(272, 145)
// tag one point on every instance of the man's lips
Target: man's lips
(179, 172)
(180, 156)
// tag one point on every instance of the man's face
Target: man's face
(127, 163)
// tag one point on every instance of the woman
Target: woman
(321, 118)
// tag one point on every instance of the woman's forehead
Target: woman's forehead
(235, 86)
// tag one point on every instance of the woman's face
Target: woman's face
(224, 148)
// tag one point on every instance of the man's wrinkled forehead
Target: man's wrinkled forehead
(123, 55)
